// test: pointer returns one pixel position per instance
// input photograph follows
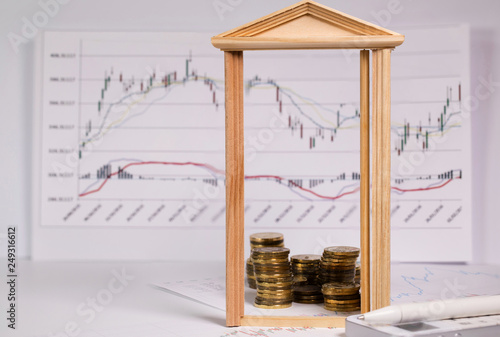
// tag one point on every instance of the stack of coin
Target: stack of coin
(338, 264)
(274, 277)
(341, 296)
(259, 240)
(310, 293)
(357, 276)
(307, 266)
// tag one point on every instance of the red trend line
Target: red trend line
(210, 167)
(304, 189)
(422, 189)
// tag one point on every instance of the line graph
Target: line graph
(107, 175)
(134, 134)
(418, 283)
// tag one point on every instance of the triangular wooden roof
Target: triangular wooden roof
(307, 25)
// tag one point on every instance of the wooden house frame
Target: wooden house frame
(309, 25)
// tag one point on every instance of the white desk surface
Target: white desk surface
(49, 294)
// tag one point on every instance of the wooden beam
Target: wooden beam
(235, 179)
(339, 42)
(294, 321)
(365, 178)
(381, 179)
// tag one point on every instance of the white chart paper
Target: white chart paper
(131, 146)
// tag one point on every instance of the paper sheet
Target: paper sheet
(410, 283)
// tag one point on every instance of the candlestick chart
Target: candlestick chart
(133, 135)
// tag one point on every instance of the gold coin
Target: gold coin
(339, 261)
(338, 272)
(266, 236)
(305, 258)
(338, 264)
(274, 285)
(305, 265)
(270, 260)
(348, 276)
(343, 306)
(307, 289)
(347, 302)
(305, 272)
(252, 247)
(337, 278)
(275, 297)
(305, 268)
(355, 296)
(337, 275)
(267, 244)
(274, 289)
(270, 250)
(330, 269)
(260, 300)
(274, 279)
(273, 266)
(335, 288)
(273, 306)
(274, 271)
(307, 295)
(275, 243)
(329, 262)
(319, 300)
(285, 282)
(274, 292)
(342, 251)
(342, 309)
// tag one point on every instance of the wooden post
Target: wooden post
(381, 179)
(235, 180)
(365, 178)
(385, 148)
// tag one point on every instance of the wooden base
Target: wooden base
(294, 321)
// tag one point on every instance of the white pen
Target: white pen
(435, 310)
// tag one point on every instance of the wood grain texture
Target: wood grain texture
(282, 43)
(235, 274)
(307, 25)
(381, 179)
(385, 148)
(365, 178)
(294, 321)
(375, 182)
